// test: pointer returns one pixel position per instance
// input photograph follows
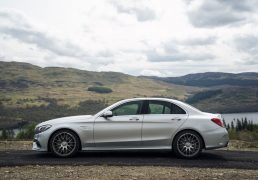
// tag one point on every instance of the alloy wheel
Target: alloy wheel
(188, 145)
(64, 143)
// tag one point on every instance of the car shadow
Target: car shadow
(206, 155)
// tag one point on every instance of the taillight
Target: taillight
(218, 122)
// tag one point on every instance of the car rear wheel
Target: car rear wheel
(187, 144)
(64, 143)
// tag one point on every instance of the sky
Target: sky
(137, 37)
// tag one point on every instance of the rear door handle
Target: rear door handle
(176, 119)
(134, 119)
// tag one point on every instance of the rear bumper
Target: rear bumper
(217, 147)
(216, 139)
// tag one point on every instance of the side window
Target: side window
(177, 110)
(159, 107)
(130, 108)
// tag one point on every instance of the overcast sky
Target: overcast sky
(138, 37)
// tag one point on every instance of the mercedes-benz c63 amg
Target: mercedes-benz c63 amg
(134, 124)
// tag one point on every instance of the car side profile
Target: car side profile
(134, 124)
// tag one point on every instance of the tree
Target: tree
(232, 125)
(245, 124)
(228, 126)
(4, 134)
(238, 125)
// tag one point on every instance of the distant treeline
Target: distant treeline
(241, 125)
(100, 89)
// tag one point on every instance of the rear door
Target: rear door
(160, 121)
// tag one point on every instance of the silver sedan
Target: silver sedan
(134, 124)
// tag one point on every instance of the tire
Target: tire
(64, 143)
(187, 144)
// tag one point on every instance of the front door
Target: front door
(122, 130)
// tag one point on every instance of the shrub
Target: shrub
(27, 133)
(100, 89)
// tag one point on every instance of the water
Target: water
(250, 117)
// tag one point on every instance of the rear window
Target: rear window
(176, 109)
(163, 107)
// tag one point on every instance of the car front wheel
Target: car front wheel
(64, 143)
(187, 144)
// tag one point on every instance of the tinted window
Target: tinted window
(130, 108)
(159, 107)
(177, 110)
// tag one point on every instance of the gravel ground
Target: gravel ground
(27, 145)
(122, 172)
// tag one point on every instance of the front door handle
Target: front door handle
(134, 119)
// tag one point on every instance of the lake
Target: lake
(250, 117)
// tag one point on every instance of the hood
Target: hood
(66, 119)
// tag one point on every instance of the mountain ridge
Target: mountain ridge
(208, 79)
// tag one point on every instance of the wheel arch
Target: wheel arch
(189, 129)
(48, 143)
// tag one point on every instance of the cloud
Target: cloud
(190, 49)
(149, 72)
(176, 55)
(18, 27)
(216, 13)
(248, 44)
(132, 36)
(136, 8)
(204, 41)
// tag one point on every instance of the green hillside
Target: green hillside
(23, 85)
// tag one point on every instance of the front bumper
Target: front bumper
(40, 142)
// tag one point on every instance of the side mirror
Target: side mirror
(107, 114)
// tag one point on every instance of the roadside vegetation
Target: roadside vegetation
(242, 130)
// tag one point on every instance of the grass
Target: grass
(73, 95)
(244, 135)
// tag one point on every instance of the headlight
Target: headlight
(42, 128)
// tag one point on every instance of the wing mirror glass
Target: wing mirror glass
(107, 114)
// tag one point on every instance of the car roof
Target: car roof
(185, 106)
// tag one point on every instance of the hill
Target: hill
(23, 84)
(209, 79)
(30, 93)
(221, 92)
